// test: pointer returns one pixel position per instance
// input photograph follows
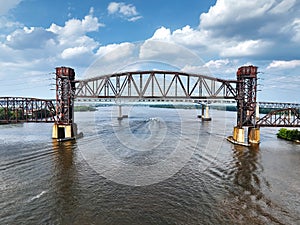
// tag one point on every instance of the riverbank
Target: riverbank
(289, 135)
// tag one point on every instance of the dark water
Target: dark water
(159, 166)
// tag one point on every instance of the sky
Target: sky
(96, 37)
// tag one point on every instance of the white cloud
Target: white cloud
(221, 68)
(8, 5)
(126, 11)
(280, 64)
(115, 52)
(283, 6)
(75, 27)
(73, 52)
(294, 29)
(270, 28)
(162, 33)
(113, 7)
(29, 38)
(6, 24)
(245, 48)
(203, 70)
(231, 12)
(217, 63)
(37, 48)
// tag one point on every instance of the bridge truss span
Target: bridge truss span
(155, 84)
(20, 109)
(280, 118)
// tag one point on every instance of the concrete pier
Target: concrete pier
(253, 135)
(62, 131)
(239, 135)
(205, 113)
(120, 116)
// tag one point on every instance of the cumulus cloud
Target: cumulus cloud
(126, 11)
(73, 52)
(245, 48)
(280, 64)
(221, 68)
(113, 52)
(75, 28)
(37, 47)
(29, 38)
(257, 29)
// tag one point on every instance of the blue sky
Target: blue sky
(213, 37)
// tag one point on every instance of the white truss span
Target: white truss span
(155, 85)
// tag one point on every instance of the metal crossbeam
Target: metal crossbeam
(280, 118)
(19, 109)
(155, 84)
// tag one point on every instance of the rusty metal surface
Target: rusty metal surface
(280, 118)
(156, 84)
(246, 96)
(65, 90)
(20, 109)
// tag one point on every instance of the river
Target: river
(158, 166)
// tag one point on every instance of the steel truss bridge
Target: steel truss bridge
(289, 117)
(20, 109)
(142, 86)
(165, 85)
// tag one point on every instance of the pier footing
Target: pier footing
(253, 135)
(205, 113)
(239, 136)
(64, 131)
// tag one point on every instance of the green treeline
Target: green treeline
(18, 114)
(10, 114)
(84, 108)
(291, 135)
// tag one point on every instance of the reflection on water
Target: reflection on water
(247, 200)
(45, 182)
(65, 180)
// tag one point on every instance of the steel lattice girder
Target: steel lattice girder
(155, 84)
(18, 109)
(280, 118)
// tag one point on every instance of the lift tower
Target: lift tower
(64, 126)
(246, 105)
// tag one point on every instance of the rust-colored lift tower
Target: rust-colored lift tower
(64, 126)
